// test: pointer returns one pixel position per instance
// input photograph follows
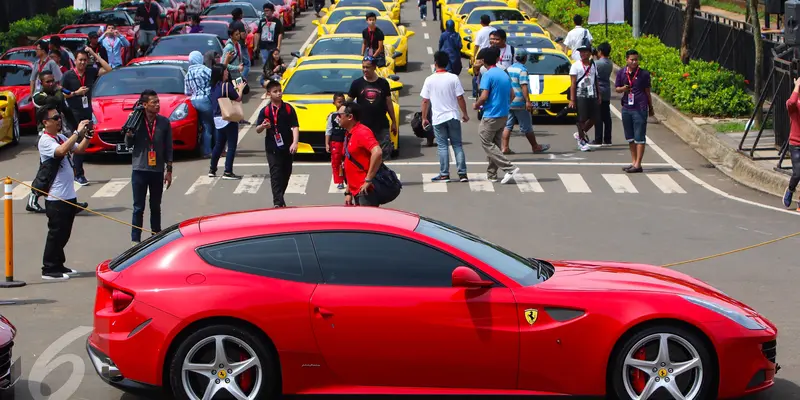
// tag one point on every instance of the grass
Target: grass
(738, 127)
(722, 5)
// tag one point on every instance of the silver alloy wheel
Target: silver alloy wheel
(16, 128)
(222, 373)
(663, 372)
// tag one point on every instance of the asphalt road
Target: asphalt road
(570, 205)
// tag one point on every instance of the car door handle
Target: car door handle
(323, 312)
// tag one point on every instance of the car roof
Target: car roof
(353, 7)
(485, 8)
(383, 17)
(335, 57)
(316, 217)
(151, 66)
(339, 36)
(66, 35)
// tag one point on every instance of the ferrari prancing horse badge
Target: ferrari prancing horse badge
(531, 314)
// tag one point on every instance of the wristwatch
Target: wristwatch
(368, 180)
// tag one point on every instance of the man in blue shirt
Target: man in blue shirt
(495, 99)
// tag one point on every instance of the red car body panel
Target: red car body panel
(112, 112)
(27, 112)
(444, 340)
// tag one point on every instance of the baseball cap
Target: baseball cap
(519, 54)
(584, 47)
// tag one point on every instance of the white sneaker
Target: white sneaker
(509, 175)
(55, 277)
(584, 147)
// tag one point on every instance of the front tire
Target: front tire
(662, 360)
(247, 366)
(15, 135)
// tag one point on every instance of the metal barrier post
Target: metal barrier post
(9, 218)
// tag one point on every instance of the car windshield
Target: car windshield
(321, 81)
(520, 28)
(118, 18)
(72, 44)
(337, 45)
(15, 75)
(358, 26)
(183, 45)
(83, 29)
(536, 42)
(514, 266)
(468, 7)
(226, 8)
(221, 30)
(135, 80)
(327, 60)
(547, 64)
(495, 15)
(276, 2)
(181, 63)
(364, 3)
(337, 15)
(258, 4)
(21, 55)
(454, 2)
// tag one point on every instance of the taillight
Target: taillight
(120, 300)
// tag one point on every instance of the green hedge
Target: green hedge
(38, 26)
(700, 88)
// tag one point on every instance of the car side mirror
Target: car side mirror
(468, 278)
(397, 54)
(324, 10)
(558, 39)
(315, 22)
(394, 77)
(409, 33)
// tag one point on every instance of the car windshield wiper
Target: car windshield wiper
(539, 265)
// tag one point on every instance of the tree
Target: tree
(688, 25)
(755, 24)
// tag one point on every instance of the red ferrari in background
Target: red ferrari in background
(362, 300)
(72, 41)
(24, 53)
(15, 77)
(115, 94)
(10, 369)
(181, 61)
(172, 12)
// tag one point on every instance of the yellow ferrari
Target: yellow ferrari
(310, 88)
(342, 59)
(528, 41)
(342, 45)
(529, 26)
(466, 7)
(394, 35)
(392, 9)
(9, 120)
(466, 25)
(331, 19)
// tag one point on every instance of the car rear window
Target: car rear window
(145, 248)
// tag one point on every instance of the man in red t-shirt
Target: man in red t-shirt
(794, 144)
(363, 156)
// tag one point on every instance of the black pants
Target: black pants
(602, 131)
(280, 170)
(794, 152)
(367, 200)
(60, 216)
(141, 183)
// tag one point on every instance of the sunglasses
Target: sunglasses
(55, 118)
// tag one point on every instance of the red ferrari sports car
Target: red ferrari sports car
(172, 12)
(15, 77)
(115, 94)
(10, 370)
(181, 61)
(361, 300)
(72, 41)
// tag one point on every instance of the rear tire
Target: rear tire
(658, 375)
(238, 346)
(15, 135)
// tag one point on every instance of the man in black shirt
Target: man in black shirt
(372, 45)
(78, 83)
(270, 32)
(279, 119)
(148, 15)
(99, 49)
(374, 95)
(152, 163)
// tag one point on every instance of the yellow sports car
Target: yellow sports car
(397, 36)
(528, 41)
(331, 19)
(466, 7)
(389, 8)
(343, 45)
(342, 59)
(471, 23)
(9, 120)
(310, 89)
(529, 26)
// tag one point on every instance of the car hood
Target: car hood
(618, 277)
(18, 91)
(309, 110)
(550, 84)
(112, 112)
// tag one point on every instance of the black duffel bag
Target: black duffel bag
(387, 185)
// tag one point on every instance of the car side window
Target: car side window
(374, 259)
(289, 257)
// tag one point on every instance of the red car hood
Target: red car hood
(112, 112)
(621, 277)
(19, 91)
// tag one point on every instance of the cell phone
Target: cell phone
(238, 81)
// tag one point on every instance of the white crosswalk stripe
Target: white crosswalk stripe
(310, 184)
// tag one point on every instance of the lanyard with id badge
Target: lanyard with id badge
(82, 81)
(151, 133)
(147, 8)
(278, 137)
(630, 83)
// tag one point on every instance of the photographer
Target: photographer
(55, 152)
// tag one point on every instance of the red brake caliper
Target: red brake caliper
(638, 379)
(246, 381)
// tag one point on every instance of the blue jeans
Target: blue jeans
(450, 130)
(475, 86)
(423, 11)
(634, 122)
(794, 153)
(206, 119)
(523, 118)
(141, 183)
(230, 135)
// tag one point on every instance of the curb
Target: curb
(725, 158)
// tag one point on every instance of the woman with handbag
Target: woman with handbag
(226, 100)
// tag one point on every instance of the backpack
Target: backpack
(416, 125)
(585, 41)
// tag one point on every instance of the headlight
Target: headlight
(180, 113)
(736, 316)
(25, 101)
(468, 31)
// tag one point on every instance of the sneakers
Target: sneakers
(231, 176)
(787, 198)
(212, 174)
(62, 274)
(509, 175)
(340, 186)
(81, 180)
(441, 178)
(33, 205)
(583, 145)
(463, 178)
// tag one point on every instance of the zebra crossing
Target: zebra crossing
(304, 184)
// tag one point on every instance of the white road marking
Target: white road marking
(666, 183)
(480, 183)
(433, 187)
(333, 187)
(620, 183)
(430, 50)
(528, 183)
(21, 191)
(424, 23)
(433, 68)
(427, 37)
(574, 183)
(478, 163)
(200, 182)
(297, 184)
(252, 120)
(250, 184)
(76, 185)
(112, 188)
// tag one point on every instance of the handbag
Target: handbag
(231, 110)
(387, 185)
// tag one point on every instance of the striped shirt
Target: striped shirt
(519, 77)
(198, 82)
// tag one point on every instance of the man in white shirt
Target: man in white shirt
(481, 42)
(443, 92)
(577, 37)
(585, 94)
(498, 40)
